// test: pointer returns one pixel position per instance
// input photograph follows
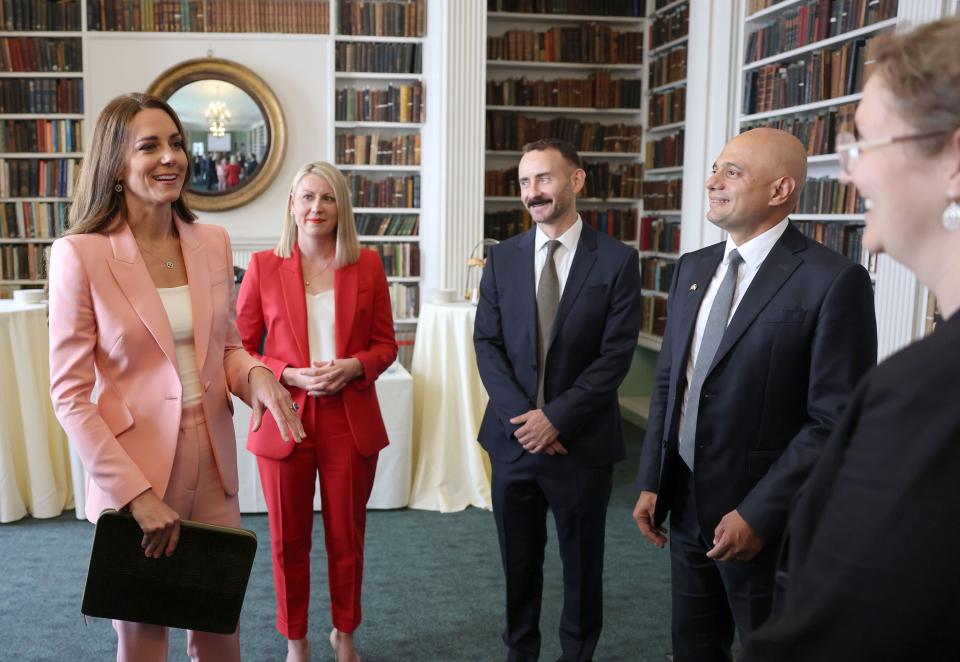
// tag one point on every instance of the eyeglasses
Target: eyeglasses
(848, 148)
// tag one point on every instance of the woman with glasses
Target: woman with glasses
(868, 570)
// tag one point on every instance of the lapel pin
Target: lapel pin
(693, 288)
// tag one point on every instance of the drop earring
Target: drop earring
(118, 188)
(951, 216)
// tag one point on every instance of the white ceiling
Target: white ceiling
(191, 100)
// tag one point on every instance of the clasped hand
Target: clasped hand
(536, 433)
(323, 377)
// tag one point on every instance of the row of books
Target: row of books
(405, 300)
(40, 54)
(402, 58)
(670, 26)
(598, 90)
(844, 238)
(502, 225)
(23, 262)
(388, 225)
(608, 181)
(823, 195)
(657, 234)
(284, 16)
(667, 107)
(576, 7)
(397, 103)
(371, 149)
(383, 18)
(653, 315)
(668, 67)
(41, 136)
(667, 152)
(814, 21)
(41, 95)
(386, 192)
(33, 178)
(33, 220)
(399, 258)
(817, 131)
(656, 273)
(405, 342)
(510, 131)
(820, 75)
(662, 194)
(59, 16)
(618, 223)
(590, 43)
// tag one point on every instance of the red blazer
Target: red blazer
(272, 318)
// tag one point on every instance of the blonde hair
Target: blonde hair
(922, 70)
(96, 203)
(348, 243)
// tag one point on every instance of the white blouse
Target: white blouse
(321, 315)
(176, 301)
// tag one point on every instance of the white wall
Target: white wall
(297, 68)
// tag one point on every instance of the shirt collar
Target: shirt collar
(569, 239)
(755, 251)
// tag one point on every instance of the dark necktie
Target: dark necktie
(548, 300)
(712, 334)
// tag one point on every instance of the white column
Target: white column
(455, 66)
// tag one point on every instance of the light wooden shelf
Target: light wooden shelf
(42, 155)
(666, 170)
(662, 212)
(388, 238)
(771, 10)
(41, 116)
(522, 64)
(359, 124)
(378, 167)
(668, 256)
(378, 40)
(520, 17)
(668, 86)
(373, 75)
(853, 218)
(801, 109)
(669, 45)
(653, 293)
(386, 210)
(567, 110)
(36, 199)
(668, 8)
(27, 240)
(672, 126)
(41, 33)
(403, 279)
(41, 74)
(587, 155)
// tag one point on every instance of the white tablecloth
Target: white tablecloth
(34, 458)
(451, 470)
(391, 487)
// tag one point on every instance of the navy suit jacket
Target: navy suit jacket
(591, 346)
(801, 338)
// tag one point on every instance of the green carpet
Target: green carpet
(433, 590)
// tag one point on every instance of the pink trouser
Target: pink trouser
(196, 493)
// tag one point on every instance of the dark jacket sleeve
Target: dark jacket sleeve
(507, 397)
(844, 348)
(648, 475)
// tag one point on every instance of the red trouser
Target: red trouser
(346, 479)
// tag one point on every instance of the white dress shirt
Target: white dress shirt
(176, 301)
(753, 253)
(321, 318)
(562, 257)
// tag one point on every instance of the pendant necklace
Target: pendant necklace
(317, 273)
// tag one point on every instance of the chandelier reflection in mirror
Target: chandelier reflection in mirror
(217, 114)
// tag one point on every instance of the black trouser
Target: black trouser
(578, 496)
(711, 597)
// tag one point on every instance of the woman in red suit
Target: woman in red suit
(319, 307)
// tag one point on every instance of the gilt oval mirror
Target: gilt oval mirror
(235, 130)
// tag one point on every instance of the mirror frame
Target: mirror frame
(191, 71)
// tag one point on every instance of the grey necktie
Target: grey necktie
(712, 334)
(548, 300)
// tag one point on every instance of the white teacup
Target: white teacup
(28, 296)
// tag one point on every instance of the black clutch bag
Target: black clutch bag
(200, 587)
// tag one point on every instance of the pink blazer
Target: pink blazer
(272, 316)
(107, 325)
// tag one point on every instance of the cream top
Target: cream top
(321, 315)
(176, 301)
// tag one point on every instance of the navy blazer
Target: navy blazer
(801, 338)
(591, 346)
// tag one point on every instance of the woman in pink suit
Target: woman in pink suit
(319, 307)
(141, 304)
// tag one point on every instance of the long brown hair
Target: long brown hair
(96, 203)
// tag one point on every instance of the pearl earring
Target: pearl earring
(118, 188)
(951, 216)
